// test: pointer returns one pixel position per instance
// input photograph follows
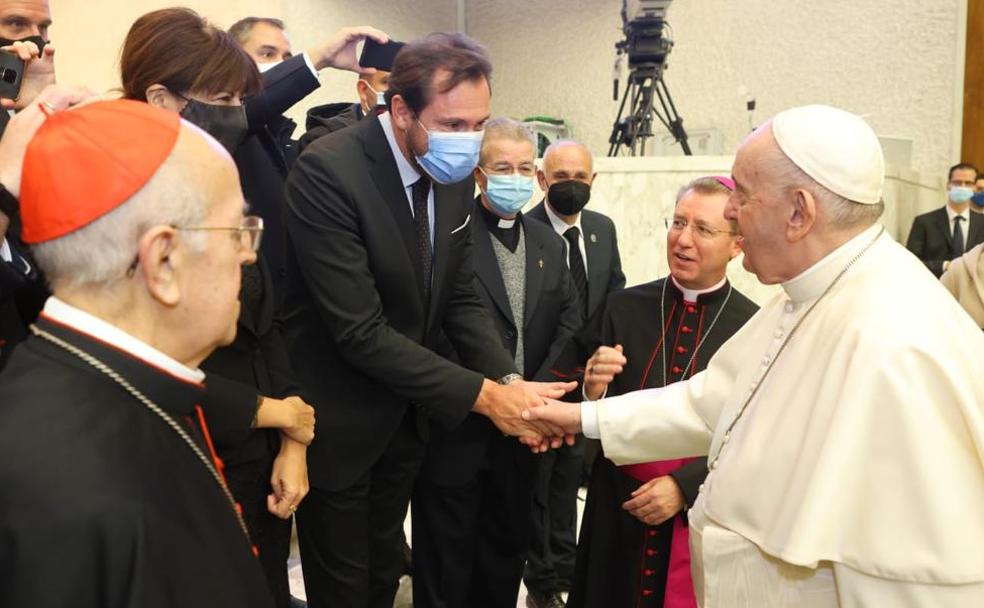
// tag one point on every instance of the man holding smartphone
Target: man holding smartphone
(24, 36)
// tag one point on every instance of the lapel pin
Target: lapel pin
(540, 263)
(594, 238)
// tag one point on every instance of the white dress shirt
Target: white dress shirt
(952, 216)
(64, 313)
(408, 173)
(560, 227)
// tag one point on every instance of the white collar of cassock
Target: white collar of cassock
(810, 283)
(64, 313)
(690, 295)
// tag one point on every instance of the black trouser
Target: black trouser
(553, 545)
(470, 539)
(351, 539)
(250, 485)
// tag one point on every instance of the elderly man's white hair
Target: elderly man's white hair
(505, 128)
(102, 252)
(838, 212)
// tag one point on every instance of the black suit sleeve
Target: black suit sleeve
(283, 86)
(332, 256)
(917, 244)
(569, 322)
(617, 277)
(230, 408)
(689, 477)
(282, 378)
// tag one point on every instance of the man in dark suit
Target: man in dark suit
(596, 268)
(471, 503)
(22, 287)
(946, 233)
(266, 155)
(379, 278)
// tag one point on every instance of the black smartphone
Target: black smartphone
(379, 56)
(11, 74)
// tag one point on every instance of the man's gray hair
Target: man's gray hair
(506, 128)
(838, 212)
(101, 252)
(241, 29)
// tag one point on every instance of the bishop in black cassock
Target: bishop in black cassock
(622, 562)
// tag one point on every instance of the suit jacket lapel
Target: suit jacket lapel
(447, 206)
(386, 176)
(487, 268)
(535, 267)
(598, 258)
(943, 223)
(975, 225)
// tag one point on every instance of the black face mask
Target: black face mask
(227, 124)
(569, 196)
(38, 40)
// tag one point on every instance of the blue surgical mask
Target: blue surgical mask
(978, 199)
(960, 194)
(451, 156)
(508, 193)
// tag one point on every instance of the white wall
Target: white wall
(639, 193)
(894, 61)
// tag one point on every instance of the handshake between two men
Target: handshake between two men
(532, 411)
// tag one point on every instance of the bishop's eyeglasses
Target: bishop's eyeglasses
(678, 224)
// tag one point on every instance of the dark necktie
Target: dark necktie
(958, 238)
(421, 224)
(576, 263)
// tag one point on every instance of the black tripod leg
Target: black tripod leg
(673, 121)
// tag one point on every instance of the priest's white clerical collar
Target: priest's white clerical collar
(506, 224)
(690, 295)
(809, 284)
(66, 314)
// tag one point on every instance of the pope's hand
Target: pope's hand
(566, 417)
(656, 501)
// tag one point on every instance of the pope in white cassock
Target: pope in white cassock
(844, 424)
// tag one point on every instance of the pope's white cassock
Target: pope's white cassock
(854, 476)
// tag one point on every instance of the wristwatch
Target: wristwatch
(509, 378)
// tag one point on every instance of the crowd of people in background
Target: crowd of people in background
(215, 328)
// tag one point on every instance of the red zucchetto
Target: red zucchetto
(83, 163)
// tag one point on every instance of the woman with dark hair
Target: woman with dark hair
(176, 60)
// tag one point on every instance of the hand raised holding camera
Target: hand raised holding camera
(38, 72)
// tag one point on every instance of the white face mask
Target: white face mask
(380, 97)
(264, 67)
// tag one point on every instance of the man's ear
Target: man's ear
(159, 264)
(593, 176)
(803, 216)
(735, 247)
(541, 179)
(400, 113)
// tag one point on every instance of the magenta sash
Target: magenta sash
(679, 586)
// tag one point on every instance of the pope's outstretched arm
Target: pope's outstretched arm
(655, 424)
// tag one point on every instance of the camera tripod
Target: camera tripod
(646, 85)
